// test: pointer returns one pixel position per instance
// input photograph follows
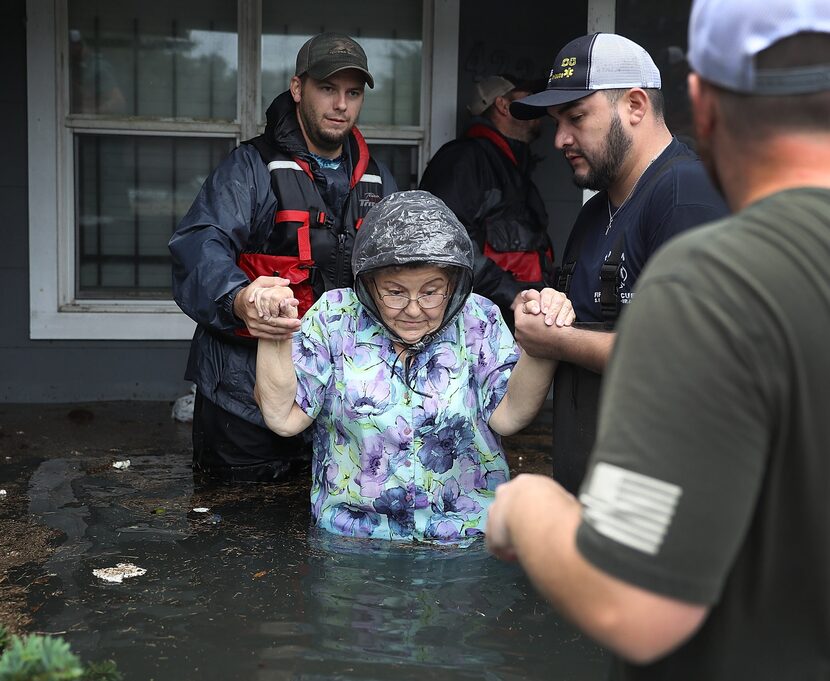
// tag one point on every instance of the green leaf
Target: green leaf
(102, 671)
(39, 658)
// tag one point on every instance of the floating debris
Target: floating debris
(2, 492)
(121, 465)
(183, 407)
(201, 509)
(119, 573)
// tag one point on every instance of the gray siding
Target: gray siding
(56, 371)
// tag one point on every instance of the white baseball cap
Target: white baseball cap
(486, 91)
(726, 35)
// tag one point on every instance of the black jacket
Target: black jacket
(484, 178)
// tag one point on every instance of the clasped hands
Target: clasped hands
(268, 308)
(554, 305)
(542, 320)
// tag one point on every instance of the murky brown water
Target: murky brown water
(248, 590)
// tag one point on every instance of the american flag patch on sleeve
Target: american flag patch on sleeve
(633, 509)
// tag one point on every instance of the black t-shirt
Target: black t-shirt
(673, 195)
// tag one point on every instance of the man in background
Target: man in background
(485, 179)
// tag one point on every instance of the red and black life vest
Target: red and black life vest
(515, 232)
(309, 245)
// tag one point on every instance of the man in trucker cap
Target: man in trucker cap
(604, 95)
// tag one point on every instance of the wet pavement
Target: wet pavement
(246, 589)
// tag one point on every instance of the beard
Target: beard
(603, 168)
(326, 140)
(529, 131)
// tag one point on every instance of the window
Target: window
(133, 103)
(391, 34)
(130, 192)
(130, 69)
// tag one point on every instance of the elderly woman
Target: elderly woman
(408, 379)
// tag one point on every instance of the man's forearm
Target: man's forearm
(637, 624)
(585, 347)
(543, 332)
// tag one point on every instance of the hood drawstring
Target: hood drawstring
(409, 379)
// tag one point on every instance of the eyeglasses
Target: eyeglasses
(395, 301)
(398, 302)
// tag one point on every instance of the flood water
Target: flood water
(248, 590)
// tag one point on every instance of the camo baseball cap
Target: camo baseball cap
(327, 53)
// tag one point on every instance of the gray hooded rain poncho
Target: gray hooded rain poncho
(406, 228)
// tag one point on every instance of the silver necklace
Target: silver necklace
(611, 215)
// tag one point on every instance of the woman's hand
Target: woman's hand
(264, 320)
(275, 301)
(553, 304)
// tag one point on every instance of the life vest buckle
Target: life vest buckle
(316, 218)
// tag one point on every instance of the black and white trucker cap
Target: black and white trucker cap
(600, 61)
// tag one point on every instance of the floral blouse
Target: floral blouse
(403, 452)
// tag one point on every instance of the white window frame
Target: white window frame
(602, 18)
(54, 312)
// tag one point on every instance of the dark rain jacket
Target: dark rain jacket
(236, 214)
(485, 179)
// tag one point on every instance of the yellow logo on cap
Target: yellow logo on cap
(567, 69)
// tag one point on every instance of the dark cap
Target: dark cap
(600, 61)
(328, 53)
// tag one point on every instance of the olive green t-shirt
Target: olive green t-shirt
(710, 479)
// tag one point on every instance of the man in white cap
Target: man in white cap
(604, 95)
(698, 547)
(485, 178)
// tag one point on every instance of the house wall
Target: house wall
(494, 36)
(56, 371)
(662, 29)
